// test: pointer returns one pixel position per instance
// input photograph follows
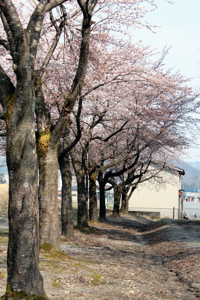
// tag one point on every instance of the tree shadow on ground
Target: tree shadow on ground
(137, 229)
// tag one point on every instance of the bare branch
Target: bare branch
(52, 48)
(13, 20)
(53, 4)
(116, 132)
(9, 35)
(79, 79)
(5, 44)
(78, 135)
(7, 89)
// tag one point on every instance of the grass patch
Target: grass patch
(54, 260)
(182, 221)
(56, 284)
(86, 230)
(3, 238)
(97, 279)
(46, 247)
(3, 274)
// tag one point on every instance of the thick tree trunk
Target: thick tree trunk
(102, 210)
(125, 202)
(117, 197)
(23, 245)
(48, 192)
(93, 209)
(48, 172)
(82, 217)
(66, 207)
(24, 277)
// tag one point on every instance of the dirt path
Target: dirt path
(127, 258)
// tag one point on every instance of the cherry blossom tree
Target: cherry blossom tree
(98, 37)
(146, 126)
(49, 126)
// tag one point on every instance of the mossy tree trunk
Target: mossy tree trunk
(47, 149)
(48, 197)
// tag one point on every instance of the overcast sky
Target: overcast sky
(179, 28)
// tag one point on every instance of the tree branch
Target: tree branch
(114, 133)
(52, 48)
(7, 88)
(78, 135)
(79, 79)
(5, 44)
(13, 20)
(9, 35)
(53, 4)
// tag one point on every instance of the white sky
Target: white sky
(179, 28)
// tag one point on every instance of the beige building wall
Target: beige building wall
(154, 196)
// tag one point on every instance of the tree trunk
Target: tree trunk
(125, 200)
(48, 172)
(66, 207)
(23, 245)
(82, 217)
(24, 277)
(93, 210)
(102, 211)
(117, 197)
(48, 192)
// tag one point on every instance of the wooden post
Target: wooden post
(173, 211)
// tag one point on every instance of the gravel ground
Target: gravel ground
(131, 257)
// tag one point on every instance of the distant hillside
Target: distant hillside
(191, 179)
(195, 164)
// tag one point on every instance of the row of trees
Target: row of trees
(120, 139)
(110, 122)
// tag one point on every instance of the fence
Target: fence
(172, 212)
(191, 208)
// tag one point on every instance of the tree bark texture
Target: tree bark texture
(48, 192)
(93, 209)
(48, 171)
(23, 246)
(66, 206)
(23, 212)
(82, 217)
